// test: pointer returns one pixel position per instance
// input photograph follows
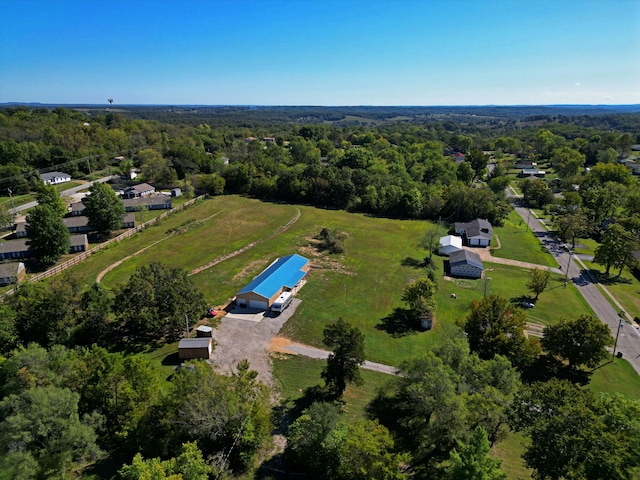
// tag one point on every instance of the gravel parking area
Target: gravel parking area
(245, 333)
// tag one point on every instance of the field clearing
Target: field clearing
(517, 243)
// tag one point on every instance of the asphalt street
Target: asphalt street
(629, 334)
(65, 193)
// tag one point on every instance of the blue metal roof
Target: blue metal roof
(284, 272)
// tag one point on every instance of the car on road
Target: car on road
(527, 304)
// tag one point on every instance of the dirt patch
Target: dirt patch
(279, 344)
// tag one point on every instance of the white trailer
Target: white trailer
(282, 302)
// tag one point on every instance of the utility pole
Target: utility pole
(13, 207)
(566, 275)
(187, 319)
(620, 325)
(528, 218)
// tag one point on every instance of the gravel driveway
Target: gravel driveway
(242, 334)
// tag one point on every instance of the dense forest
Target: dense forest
(77, 389)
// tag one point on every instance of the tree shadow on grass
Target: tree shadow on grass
(609, 279)
(399, 323)
(546, 368)
(411, 262)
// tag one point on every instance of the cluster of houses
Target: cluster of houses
(134, 198)
(464, 262)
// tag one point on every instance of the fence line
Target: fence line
(84, 255)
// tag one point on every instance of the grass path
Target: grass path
(224, 257)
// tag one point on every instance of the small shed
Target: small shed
(11, 273)
(176, 192)
(204, 331)
(195, 348)
(450, 244)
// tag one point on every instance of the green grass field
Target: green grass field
(626, 288)
(363, 286)
(518, 243)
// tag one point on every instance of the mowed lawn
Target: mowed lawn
(518, 243)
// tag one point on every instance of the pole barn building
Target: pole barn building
(286, 274)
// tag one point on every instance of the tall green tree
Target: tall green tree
(48, 195)
(343, 364)
(472, 462)
(155, 300)
(189, 465)
(567, 161)
(538, 281)
(103, 208)
(616, 249)
(49, 237)
(496, 327)
(580, 342)
(421, 296)
(576, 434)
(41, 428)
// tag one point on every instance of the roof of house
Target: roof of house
(76, 240)
(284, 272)
(462, 257)
(141, 187)
(129, 218)
(21, 227)
(11, 269)
(476, 228)
(135, 202)
(77, 221)
(51, 175)
(451, 240)
(201, 342)
(18, 245)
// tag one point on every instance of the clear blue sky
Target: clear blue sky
(320, 52)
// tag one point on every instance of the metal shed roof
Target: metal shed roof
(284, 272)
(462, 257)
(202, 342)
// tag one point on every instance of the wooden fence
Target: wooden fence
(82, 256)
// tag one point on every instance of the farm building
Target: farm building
(449, 244)
(195, 348)
(286, 274)
(465, 263)
(476, 233)
(11, 273)
(54, 178)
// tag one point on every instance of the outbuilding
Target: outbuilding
(285, 274)
(11, 273)
(450, 244)
(465, 263)
(195, 348)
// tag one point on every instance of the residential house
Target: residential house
(522, 164)
(140, 190)
(54, 178)
(11, 273)
(285, 274)
(532, 172)
(476, 233)
(450, 244)
(465, 263)
(129, 220)
(11, 249)
(79, 243)
(77, 224)
(159, 202)
(21, 230)
(77, 209)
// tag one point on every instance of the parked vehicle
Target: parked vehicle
(282, 302)
(527, 304)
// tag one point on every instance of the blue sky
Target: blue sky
(321, 52)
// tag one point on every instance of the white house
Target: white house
(476, 233)
(450, 244)
(53, 178)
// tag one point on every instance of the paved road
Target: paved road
(65, 193)
(629, 338)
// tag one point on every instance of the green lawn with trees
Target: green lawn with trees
(95, 361)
